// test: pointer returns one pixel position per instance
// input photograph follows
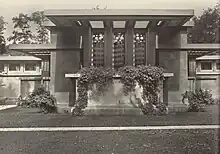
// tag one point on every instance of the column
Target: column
(129, 46)
(64, 61)
(150, 47)
(174, 61)
(108, 47)
(165, 91)
(87, 46)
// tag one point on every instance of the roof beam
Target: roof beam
(129, 24)
(86, 23)
(108, 24)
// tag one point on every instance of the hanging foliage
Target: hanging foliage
(101, 77)
(148, 77)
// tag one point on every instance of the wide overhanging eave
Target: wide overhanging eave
(119, 12)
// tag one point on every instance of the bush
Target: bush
(217, 101)
(3, 101)
(42, 99)
(153, 109)
(198, 99)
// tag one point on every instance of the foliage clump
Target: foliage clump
(148, 77)
(198, 99)
(101, 77)
(42, 99)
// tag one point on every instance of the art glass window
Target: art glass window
(118, 50)
(139, 48)
(97, 55)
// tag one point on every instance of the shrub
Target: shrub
(198, 99)
(42, 99)
(3, 101)
(161, 109)
(153, 109)
(217, 101)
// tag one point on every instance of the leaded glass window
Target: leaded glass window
(118, 50)
(97, 55)
(139, 48)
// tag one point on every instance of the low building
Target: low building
(113, 39)
(19, 75)
(205, 73)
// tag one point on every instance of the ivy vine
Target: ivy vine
(101, 77)
(149, 77)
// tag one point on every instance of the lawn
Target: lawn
(172, 141)
(111, 142)
(20, 117)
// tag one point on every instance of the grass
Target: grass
(109, 142)
(112, 142)
(24, 117)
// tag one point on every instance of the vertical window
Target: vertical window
(30, 67)
(1, 67)
(14, 67)
(139, 48)
(118, 50)
(218, 65)
(206, 65)
(97, 55)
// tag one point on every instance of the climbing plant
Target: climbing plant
(101, 77)
(148, 77)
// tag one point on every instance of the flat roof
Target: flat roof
(211, 57)
(19, 58)
(119, 12)
(191, 47)
(39, 47)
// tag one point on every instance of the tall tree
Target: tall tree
(206, 28)
(42, 33)
(22, 33)
(2, 38)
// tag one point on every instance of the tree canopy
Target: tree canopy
(206, 28)
(22, 33)
(42, 34)
(22, 29)
(2, 38)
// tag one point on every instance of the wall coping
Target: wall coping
(77, 75)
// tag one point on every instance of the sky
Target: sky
(11, 8)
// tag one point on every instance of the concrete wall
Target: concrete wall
(174, 62)
(63, 62)
(11, 88)
(20, 81)
(210, 82)
(15, 86)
